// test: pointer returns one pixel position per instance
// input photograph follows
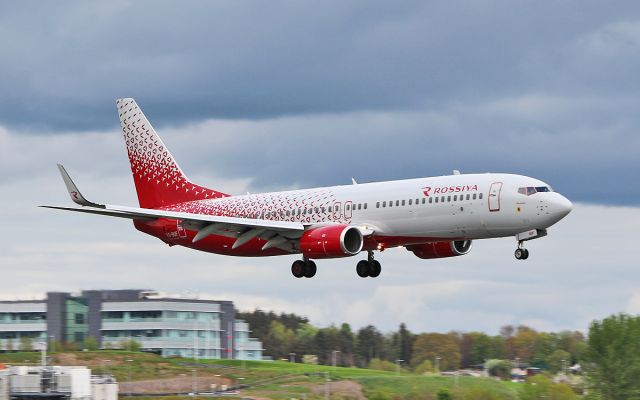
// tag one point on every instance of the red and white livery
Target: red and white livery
(432, 217)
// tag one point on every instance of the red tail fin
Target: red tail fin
(158, 178)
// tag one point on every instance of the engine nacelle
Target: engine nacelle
(331, 242)
(441, 249)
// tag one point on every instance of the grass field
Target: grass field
(277, 379)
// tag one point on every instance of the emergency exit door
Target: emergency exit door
(494, 196)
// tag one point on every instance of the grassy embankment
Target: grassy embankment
(277, 379)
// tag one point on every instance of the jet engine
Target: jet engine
(441, 249)
(331, 242)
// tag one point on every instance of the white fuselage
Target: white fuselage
(466, 206)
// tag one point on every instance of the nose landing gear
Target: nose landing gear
(369, 267)
(521, 253)
(303, 268)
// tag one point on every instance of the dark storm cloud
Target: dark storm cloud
(372, 90)
(64, 62)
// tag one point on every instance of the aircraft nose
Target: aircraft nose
(561, 206)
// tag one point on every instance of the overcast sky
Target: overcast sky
(256, 96)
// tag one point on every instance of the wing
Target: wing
(277, 233)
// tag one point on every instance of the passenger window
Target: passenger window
(377, 204)
(468, 195)
(474, 196)
(430, 199)
(410, 201)
(288, 213)
(436, 199)
(384, 204)
(442, 199)
(423, 199)
(455, 197)
(365, 206)
(323, 209)
(403, 202)
(448, 199)
(480, 196)
(397, 203)
(348, 207)
(417, 201)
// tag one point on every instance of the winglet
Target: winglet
(353, 181)
(73, 190)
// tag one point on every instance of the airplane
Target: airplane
(432, 217)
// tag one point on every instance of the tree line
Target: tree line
(287, 335)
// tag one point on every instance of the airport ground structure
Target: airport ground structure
(167, 326)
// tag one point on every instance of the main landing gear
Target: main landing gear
(521, 253)
(368, 267)
(303, 268)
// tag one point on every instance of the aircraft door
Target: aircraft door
(494, 196)
(337, 212)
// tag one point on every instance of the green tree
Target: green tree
(524, 343)
(433, 346)
(347, 344)
(613, 357)
(406, 343)
(425, 367)
(279, 341)
(499, 368)
(130, 345)
(90, 343)
(368, 344)
(557, 360)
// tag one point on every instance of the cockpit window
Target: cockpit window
(529, 190)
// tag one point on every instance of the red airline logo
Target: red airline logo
(449, 189)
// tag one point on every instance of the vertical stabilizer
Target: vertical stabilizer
(158, 178)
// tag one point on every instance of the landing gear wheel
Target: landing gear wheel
(374, 268)
(362, 268)
(521, 254)
(298, 268)
(310, 269)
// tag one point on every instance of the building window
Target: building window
(79, 318)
